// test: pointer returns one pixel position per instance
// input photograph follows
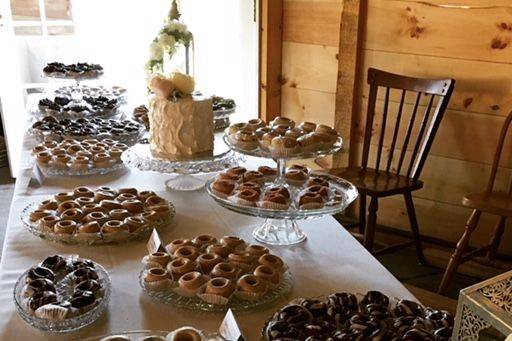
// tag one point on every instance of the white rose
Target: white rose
(166, 41)
(156, 51)
(183, 83)
(177, 26)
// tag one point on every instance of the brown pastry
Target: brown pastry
(162, 212)
(89, 208)
(119, 214)
(266, 139)
(127, 196)
(176, 244)
(282, 121)
(229, 176)
(235, 128)
(157, 279)
(296, 177)
(245, 140)
(267, 273)
(58, 151)
(80, 163)
(192, 282)
(95, 150)
(90, 227)
(144, 195)
(155, 200)
(180, 266)
(48, 205)
(48, 222)
(252, 285)
(317, 181)
(61, 197)
(99, 217)
(232, 242)
(61, 161)
(114, 226)
(299, 167)
(38, 149)
(253, 176)
(73, 149)
(161, 258)
(278, 190)
(133, 206)
(115, 154)
(207, 261)
(239, 171)
(187, 251)
(269, 172)
(294, 133)
(275, 201)
(38, 214)
(247, 197)
(74, 214)
(307, 126)
(309, 201)
(225, 270)
(187, 334)
(204, 240)
(310, 142)
(66, 205)
(129, 190)
(241, 259)
(255, 124)
(104, 195)
(280, 129)
(102, 160)
(223, 188)
(272, 261)
(257, 250)
(262, 131)
(283, 146)
(82, 201)
(220, 286)
(43, 158)
(110, 204)
(250, 185)
(65, 227)
(134, 223)
(219, 249)
(322, 190)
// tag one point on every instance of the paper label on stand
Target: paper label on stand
(229, 328)
(154, 243)
(38, 176)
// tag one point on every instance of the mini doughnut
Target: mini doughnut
(84, 153)
(44, 157)
(267, 273)
(126, 196)
(155, 201)
(234, 128)
(176, 244)
(115, 154)
(58, 151)
(38, 214)
(104, 195)
(219, 249)
(282, 121)
(129, 190)
(48, 222)
(110, 204)
(187, 251)
(239, 171)
(207, 261)
(49, 205)
(80, 163)
(186, 334)
(246, 140)
(255, 124)
(50, 144)
(143, 195)
(162, 211)
(307, 126)
(232, 241)
(134, 223)
(90, 227)
(119, 214)
(97, 150)
(65, 227)
(73, 149)
(161, 258)
(121, 146)
(89, 208)
(61, 161)
(272, 261)
(102, 145)
(114, 226)
(107, 189)
(150, 216)
(204, 240)
(83, 191)
(61, 197)
(241, 257)
(220, 286)
(82, 201)
(192, 281)
(253, 176)
(66, 205)
(225, 270)
(38, 149)
(101, 160)
(74, 214)
(180, 266)
(257, 250)
(251, 284)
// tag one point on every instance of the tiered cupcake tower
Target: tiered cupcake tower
(280, 226)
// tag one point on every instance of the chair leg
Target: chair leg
(496, 238)
(411, 212)
(369, 233)
(462, 245)
(362, 213)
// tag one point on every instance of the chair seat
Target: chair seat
(379, 184)
(498, 203)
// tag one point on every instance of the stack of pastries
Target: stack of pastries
(282, 137)
(343, 317)
(257, 189)
(79, 156)
(214, 270)
(62, 287)
(101, 214)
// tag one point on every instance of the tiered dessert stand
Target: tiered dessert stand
(280, 226)
(140, 157)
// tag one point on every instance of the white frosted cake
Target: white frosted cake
(181, 129)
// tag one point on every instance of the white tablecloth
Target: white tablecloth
(330, 260)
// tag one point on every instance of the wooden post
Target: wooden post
(347, 92)
(271, 35)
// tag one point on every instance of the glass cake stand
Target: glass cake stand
(141, 158)
(77, 94)
(140, 335)
(221, 118)
(280, 226)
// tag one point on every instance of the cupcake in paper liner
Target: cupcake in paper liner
(283, 146)
(233, 242)
(191, 283)
(53, 312)
(217, 291)
(274, 262)
(179, 267)
(270, 173)
(274, 201)
(157, 279)
(245, 140)
(310, 142)
(242, 259)
(269, 274)
(245, 197)
(250, 288)
(115, 230)
(310, 201)
(296, 177)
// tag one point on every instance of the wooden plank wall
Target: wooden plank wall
(469, 40)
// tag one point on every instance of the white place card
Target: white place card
(229, 328)
(154, 243)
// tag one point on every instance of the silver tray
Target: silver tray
(93, 239)
(70, 324)
(235, 303)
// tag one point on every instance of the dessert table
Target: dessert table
(330, 260)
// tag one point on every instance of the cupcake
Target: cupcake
(269, 173)
(245, 140)
(157, 279)
(253, 176)
(274, 202)
(282, 146)
(266, 139)
(296, 177)
(309, 201)
(246, 197)
(191, 283)
(223, 188)
(251, 287)
(283, 121)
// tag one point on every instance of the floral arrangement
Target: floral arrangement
(166, 43)
(178, 85)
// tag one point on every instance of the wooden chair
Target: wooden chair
(491, 201)
(384, 179)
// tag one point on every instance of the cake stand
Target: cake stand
(140, 157)
(280, 226)
(221, 118)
